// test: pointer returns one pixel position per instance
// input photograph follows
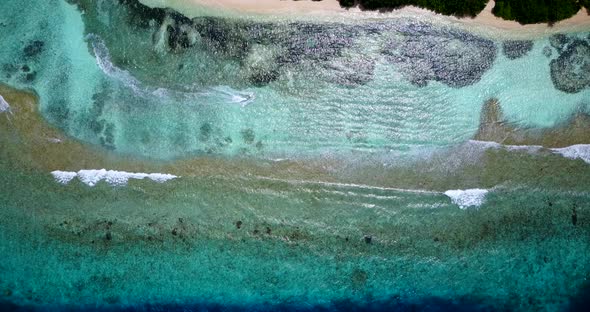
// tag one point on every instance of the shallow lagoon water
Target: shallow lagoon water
(312, 162)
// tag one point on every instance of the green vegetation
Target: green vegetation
(522, 11)
(447, 7)
(537, 11)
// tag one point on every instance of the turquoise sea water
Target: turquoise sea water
(384, 108)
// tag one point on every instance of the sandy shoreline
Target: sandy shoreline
(330, 10)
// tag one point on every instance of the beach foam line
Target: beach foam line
(578, 151)
(112, 177)
(491, 144)
(104, 63)
(347, 185)
(234, 96)
(462, 198)
(467, 198)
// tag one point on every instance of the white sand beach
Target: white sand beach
(330, 8)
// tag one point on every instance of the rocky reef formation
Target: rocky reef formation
(514, 49)
(570, 70)
(264, 52)
(425, 53)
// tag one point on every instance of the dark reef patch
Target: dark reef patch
(317, 42)
(514, 49)
(142, 15)
(547, 51)
(248, 136)
(559, 41)
(570, 72)
(264, 52)
(284, 46)
(58, 112)
(205, 132)
(223, 36)
(424, 53)
(30, 77)
(34, 48)
(262, 77)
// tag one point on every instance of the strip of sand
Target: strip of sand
(330, 9)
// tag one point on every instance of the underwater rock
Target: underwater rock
(142, 15)
(455, 58)
(558, 41)
(547, 51)
(177, 39)
(34, 48)
(263, 78)
(368, 239)
(181, 35)
(223, 37)
(570, 71)
(514, 49)
(205, 132)
(30, 77)
(248, 136)
(9, 69)
(261, 64)
(316, 42)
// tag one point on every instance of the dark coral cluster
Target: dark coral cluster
(514, 49)
(264, 52)
(570, 71)
(424, 53)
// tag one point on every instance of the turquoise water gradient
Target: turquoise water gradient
(300, 245)
(120, 88)
(316, 155)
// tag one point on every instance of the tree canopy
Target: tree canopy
(522, 11)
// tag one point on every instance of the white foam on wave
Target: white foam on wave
(580, 151)
(489, 144)
(467, 198)
(63, 177)
(234, 96)
(103, 60)
(4, 107)
(112, 177)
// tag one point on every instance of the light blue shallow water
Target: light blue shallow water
(122, 86)
(381, 109)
